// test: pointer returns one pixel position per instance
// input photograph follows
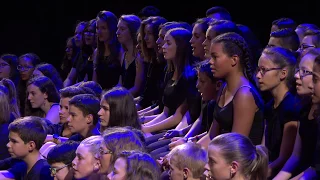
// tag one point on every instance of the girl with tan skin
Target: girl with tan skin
(238, 107)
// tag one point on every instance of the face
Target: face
(37, 73)
(104, 113)
(119, 171)
(123, 32)
(149, 38)
(219, 168)
(78, 35)
(315, 86)
(175, 173)
(105, 159)
(210, 35)
(62, 171)
(64, 109)
(89, 36)
(103, 30)
(16, 147)
(304, 75)
(139, 45)
(220, 62)
(25, 68)
(274, 28)
(35, 96)
(269, 79)
(77, 122)
(4, 69)
(84, 164)
(169, 48)
(196, 41)
(274, 42)
(300, 33)
(160, 41)
(69, 49)
(306, 44)
(205, 86)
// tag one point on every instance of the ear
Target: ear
(186, 173)
(283, 74)
(218, 85)
(31, 146)
(45, 95)
(234, 168)
(234, 60)
(89, 119)
(96, 165)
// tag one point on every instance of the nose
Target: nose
(69, 118)
(118, 32)
(29, 96)
(297, 75)
(100, 112)
(191, 40)
(204, 42)
(311, 86)
(158, 41)
(258, 75)
(110, 176)
(8, 144)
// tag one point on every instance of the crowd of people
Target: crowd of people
(139, 97)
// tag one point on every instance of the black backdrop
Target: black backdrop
(42, 26)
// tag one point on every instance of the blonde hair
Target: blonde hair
(190, 156)
(93, 143)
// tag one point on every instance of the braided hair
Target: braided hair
(234, 44)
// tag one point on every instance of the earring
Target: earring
(231, 174)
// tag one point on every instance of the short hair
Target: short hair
(63, 153)
(70, 91)
(94, 86)
(289, 38)
(148, 11)
(93, 143)
(224, 13)
(190, 156)
(118, 139)
(140, 165)
(282, 23)
(30, 128)
(87, 104)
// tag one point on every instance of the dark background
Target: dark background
(43, 26)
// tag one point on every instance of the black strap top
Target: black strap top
(224, 116)
(128, 75)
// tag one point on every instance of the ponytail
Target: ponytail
(259, 165)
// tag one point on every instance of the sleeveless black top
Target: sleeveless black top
(224, 117)
(108, 73)
(128, 75)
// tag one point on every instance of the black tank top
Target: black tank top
(224, 117)
(128, 75)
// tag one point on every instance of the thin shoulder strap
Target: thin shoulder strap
(220, 92)
(240, 88)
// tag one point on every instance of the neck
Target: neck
(278, 93)
(314, 107)
(239, 177)
(191, 178)
(45, 107)
(87, 131)
(234, 81)
(31, 159)
(129, 47)
(102, 128)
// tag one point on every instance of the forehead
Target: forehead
(148, 27)
(101, 23)
(307, 59)
(122, 23)
(265, 60)
(307, 40)
(32, 87)
(82, 149)
(104, 102)
(162, 31)
(14, 135)
(25, 60)
(168, 37)
(197, 28)
(211, 31)
(274, 41)
(74, 109)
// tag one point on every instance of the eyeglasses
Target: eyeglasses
(102, 151)
(263, 70)
(303, 72)
(305, 46)
(24, 68)
(270, 46)
(2, 65)
(54, 171)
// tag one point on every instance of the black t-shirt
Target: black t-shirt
(276, 118)
(207, 115)
(40, 171)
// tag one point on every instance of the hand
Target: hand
(170, 134)
(164, 163)
(176, 141)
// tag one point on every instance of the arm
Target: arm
(139, 79)
(153, 111)
(213, 132)
(169, 122)
(95, 61)
(53, 115)
(292, 162)
(71, 78)
(244, 109)
(6, 175)
(195, 129)
(287, 143)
